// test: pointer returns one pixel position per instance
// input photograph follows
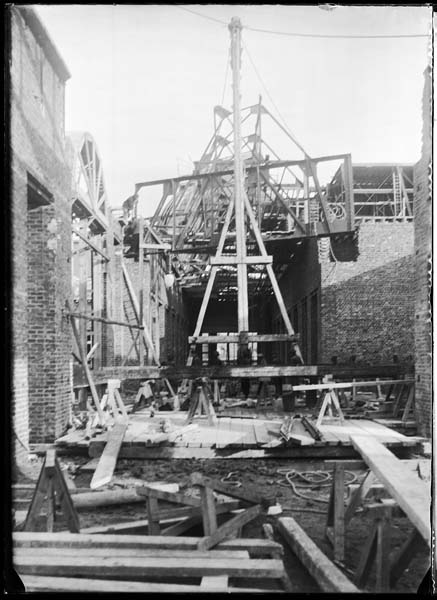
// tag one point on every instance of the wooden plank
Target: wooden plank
(255, 546)
(155, 372)
(411, 493)
(219, 582)
(165, 516)
(326, 574)
(343, 385)
(182, 526)
(175, 497)
(262, 436)
(251, 497)
(108, 566)
(35, 583)
(108, 460)
(228, 528)
(123, 553)
(235, 338)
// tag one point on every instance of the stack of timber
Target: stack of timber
(66, 562)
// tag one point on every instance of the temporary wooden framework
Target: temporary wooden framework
(408, 492)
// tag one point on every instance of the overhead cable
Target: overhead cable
(313, 35)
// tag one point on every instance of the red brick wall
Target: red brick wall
(40, 245)
(423, 249)
(367, 305)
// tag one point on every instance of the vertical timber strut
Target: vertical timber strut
(240, 223)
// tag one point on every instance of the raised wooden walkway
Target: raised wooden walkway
(236, 438)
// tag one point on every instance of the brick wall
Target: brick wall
(423, 249)
(40, 245)
(366, 305)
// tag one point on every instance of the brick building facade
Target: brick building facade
(41, 234)
(362, 307)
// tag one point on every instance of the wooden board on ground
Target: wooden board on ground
(411, 493)
(326, 574)
(35, 583)
(108, 460)
(132, 567)
(255, 546)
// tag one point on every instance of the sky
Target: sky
(145, 80)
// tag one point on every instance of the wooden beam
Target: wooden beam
(228, 528)
(168, 496)
(89, 317)
(326, 574)
(411, 493)
(255, 546)
(234, 260)
(37, 583)
(108, 460)
(233, 338)
(269, 165)
(109, 566)
(353, 384)
(90, 244)
(218, 486)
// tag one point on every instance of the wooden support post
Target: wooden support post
(409, 404)
(358, 496)
(209, 516)
(152, 515)
(400, 559)
(141, 281)
(335, 524)
(376, 551)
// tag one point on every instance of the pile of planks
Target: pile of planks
(66, 562)
(95, 559)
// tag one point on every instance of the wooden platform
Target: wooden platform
(236, 438)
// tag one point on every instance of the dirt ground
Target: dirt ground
(267, 477)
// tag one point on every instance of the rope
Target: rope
(226, 79)
(311, 479)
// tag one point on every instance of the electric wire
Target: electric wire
(338, 36)
(296, 34)
(226, 78)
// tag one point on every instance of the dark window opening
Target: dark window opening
(37, 194)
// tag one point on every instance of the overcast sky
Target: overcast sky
(145, 80)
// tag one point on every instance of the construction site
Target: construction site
(244, 374)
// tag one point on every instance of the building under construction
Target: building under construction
(262, 313)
